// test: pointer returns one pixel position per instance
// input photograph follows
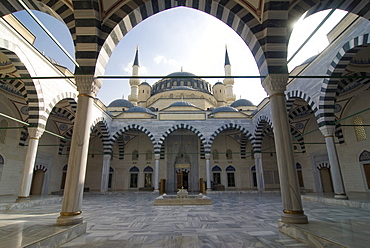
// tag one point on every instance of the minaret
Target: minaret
(228, 82)
(134, 82)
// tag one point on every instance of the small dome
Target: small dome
(224, 109)
(139, 110)
(218, 83)
(121, 103)
(145, 83)
(181, 74)
(177, 104)
(241, 102)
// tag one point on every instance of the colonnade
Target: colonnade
(87, 86)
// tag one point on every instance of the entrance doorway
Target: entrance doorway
(37, 182)
(182, 180)
(327, 184)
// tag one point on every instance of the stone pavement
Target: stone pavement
(242, 219)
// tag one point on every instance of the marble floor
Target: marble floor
(234, 220)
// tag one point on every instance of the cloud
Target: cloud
(128, 69)
(162, 59)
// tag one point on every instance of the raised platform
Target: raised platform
(33, 223)
(173, 200)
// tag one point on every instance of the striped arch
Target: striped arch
(244, 131)
(102, 131)
(264, 124)
(128, 15)
(63, 142)
(118, 137)
(160, 143)
(291, 96)
(68, 135)
(40, 167)
(30, 89)
(298, 137)
(329, 90)
(323, 165)
(61, 10)
(349, 81)
(71, 97)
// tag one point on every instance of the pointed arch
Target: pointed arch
(264, 125)
(329, 90)
(100, 124)
(291, 96)
(201, 137)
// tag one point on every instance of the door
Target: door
(182, 180)
(327, 184)
(37, 181)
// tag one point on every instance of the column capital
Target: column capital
(157, 156)
(275, 83)
(207, 156)
(35, 133)
(258, 155)
(88, 85)
(328, 130)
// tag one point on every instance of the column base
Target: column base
(294, 218)
(103, 192)
(156, 191)
(63, 220)
(22, 199)
(341, 196)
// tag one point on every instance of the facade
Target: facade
(309, 135)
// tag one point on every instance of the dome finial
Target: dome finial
(227, 61)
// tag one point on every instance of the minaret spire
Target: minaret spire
(134, 82)
(228, 82)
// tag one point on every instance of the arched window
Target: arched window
(1, 165)
(64, 176)
(299, 173)
(229, 154)
(135, 155)
(216, 170)
(359, 129)
(148, 155)
(111, 171)
(3, 130)
(254, 175)
(365, 164)
(148, 172)
(230, 176)
(215, 154)
(134, 174)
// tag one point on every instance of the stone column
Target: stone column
(275, 85)
(259, 171)
(157, 156)
(105, 174)
(29, 163)
(73, 191)
(336, 175)
(208, 170)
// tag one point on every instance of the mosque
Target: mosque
(309, 135)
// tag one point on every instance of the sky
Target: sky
(182, 38)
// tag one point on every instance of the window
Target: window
(299, 173)
(359, 129)
(148, 155)
(148, 172)
(3, 130)
(1, 165)
(134, 174)
(135, 155)
(230, 176)
(254, 175)
(64, 176)
(229, 154)
(111, 170)
(216, 170)
(365, 164)
(215, 154)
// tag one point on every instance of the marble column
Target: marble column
(208, 171)
(336, 175)
(29, 163)
(87, 87)
(259, 171)
(275, 85)
(156, 172)
(105, 174)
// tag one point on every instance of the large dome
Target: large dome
(180, 80)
